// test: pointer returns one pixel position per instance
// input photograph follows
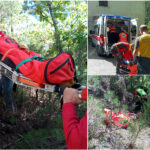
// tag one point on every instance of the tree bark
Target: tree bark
(57, 37)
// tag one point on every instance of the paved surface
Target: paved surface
(100, 65)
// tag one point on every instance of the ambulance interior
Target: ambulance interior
(118, 26)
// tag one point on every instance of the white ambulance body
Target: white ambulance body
(101, 38)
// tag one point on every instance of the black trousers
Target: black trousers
(143, 65)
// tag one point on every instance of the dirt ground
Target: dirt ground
(123, 136)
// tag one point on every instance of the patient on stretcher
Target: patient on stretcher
(56, 70)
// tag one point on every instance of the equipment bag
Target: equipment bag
(58, 70)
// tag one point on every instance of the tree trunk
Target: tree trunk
(57, 37)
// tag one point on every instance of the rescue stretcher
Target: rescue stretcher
(19, 79)
(31, 70)
(120, 120)
(128, 69)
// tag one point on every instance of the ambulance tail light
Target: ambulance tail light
(101, 39)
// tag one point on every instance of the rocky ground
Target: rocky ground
(105, 136)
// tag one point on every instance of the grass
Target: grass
(42, 138)
(43, 127)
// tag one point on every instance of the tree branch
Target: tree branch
(58, 41)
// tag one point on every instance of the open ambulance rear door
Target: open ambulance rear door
(106, 49)
(133, 30)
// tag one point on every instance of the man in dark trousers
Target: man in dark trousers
(6, 84)
(141, 51)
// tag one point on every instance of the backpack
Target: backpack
(60, 69)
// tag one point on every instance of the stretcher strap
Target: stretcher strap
(6, 53)
(28, 82)
(29, 59)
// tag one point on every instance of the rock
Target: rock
(143, 139)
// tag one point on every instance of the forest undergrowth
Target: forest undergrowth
(37, 122)
(117, 94)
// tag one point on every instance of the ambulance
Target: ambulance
(107, 29)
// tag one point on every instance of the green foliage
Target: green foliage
(47, 120)
(124, 107)
(148, 25)
(94, 81)
(81, 109)
(109, 95)
(42, 138)
(147, 13)
(70, 29)
(118, 94)
(31, 23)
(116, 100)
(13, 120)
(96, 123)
(96, 109)
(6, 9)
(135, 127)
(146, 112)
(44, 110)
(20, 94)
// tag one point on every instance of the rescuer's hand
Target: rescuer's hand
(71, 95)
(135, 53)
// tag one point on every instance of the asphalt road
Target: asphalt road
(100, 65)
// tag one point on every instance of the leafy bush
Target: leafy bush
(42, 138)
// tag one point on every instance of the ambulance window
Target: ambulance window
(133, 30)
(96, 29)
(126, 23)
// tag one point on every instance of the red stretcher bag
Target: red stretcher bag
(57, 70)
(60, 69)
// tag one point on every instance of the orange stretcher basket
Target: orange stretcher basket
(120, 119)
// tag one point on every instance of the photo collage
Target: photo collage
(74, 74)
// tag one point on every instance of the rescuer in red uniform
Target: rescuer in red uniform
(121, 50)
(123, 37)
(112, 33)
(75, 130)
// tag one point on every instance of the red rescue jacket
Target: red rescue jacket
(75, 130)
(122, 47)
(123, 37)
(112, 28)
